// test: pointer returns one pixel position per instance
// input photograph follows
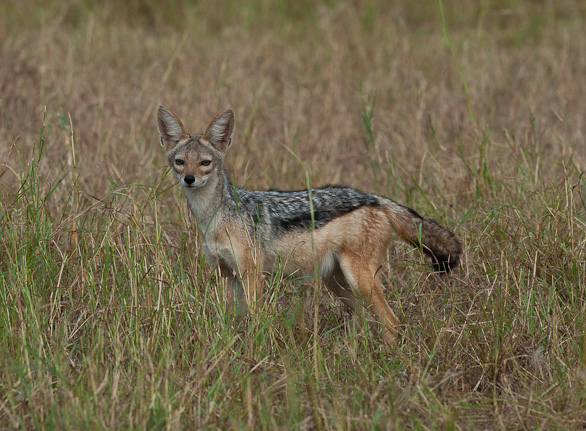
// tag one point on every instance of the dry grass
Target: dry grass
(110, 320)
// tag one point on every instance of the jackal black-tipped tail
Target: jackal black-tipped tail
(439, 243)
(436, 241)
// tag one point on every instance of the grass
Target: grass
(111, 320)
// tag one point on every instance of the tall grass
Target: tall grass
(109, 317)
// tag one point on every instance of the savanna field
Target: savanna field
(472, 113)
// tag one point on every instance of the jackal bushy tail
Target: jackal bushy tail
(438, 242)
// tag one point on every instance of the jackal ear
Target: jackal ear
(171, 128)
(219, 132)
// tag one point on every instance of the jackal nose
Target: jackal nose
(189, 179)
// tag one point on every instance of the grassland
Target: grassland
(474, 116)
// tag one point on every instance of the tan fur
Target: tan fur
(359, 240)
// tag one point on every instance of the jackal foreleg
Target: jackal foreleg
(252, 277)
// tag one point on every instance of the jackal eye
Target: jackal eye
(179, 162)
(206, 162)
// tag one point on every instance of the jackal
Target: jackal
(343, 231)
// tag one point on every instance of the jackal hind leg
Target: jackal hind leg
(361, 274)
(337, 284)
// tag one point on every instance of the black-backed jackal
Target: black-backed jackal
(246, 232)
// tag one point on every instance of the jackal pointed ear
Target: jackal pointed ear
(219, 132)
(171, 128)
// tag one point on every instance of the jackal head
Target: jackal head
(195, 159)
